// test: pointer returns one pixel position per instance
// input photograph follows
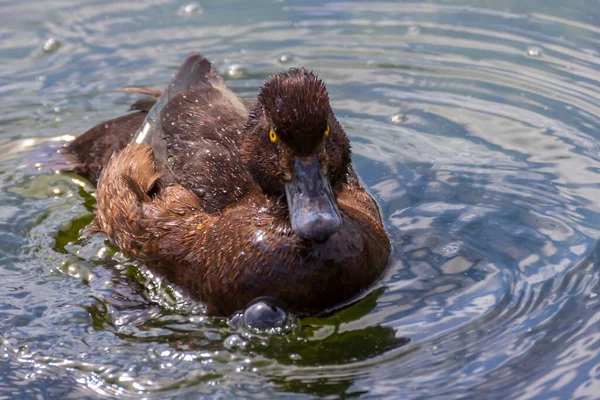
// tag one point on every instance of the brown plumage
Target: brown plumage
(230, 211)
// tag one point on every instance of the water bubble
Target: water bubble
(534, 52)
(397, 119)
(104, 253)
(286, 58)
(413, 31)
(236, 71)
(234, 341)
(451, 249)
(192, 8)
(267, 316)
(51, 45)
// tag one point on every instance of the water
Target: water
(475, 125)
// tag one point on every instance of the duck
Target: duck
(233, 200)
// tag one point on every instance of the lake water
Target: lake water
(474, 124)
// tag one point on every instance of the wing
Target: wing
(195, 131)
(89, 153)
(93, 149)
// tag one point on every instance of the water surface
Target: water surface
(473, 123)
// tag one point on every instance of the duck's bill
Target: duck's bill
(314, 213)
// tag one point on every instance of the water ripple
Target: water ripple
(473, 123)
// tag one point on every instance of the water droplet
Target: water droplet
(534, 52)
(192, 8)
(200, 192)
(397, 119)
(51, 45)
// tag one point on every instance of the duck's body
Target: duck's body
(232, 200)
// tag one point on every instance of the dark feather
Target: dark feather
(134, 186)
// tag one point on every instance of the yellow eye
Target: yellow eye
(273, 136)
(327, 130)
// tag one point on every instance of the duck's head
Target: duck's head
(295, 147)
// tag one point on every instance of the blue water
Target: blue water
(473, 123)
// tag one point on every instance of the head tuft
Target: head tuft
(296, 103)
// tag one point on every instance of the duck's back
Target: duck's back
(196, 140)
(202, 130)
